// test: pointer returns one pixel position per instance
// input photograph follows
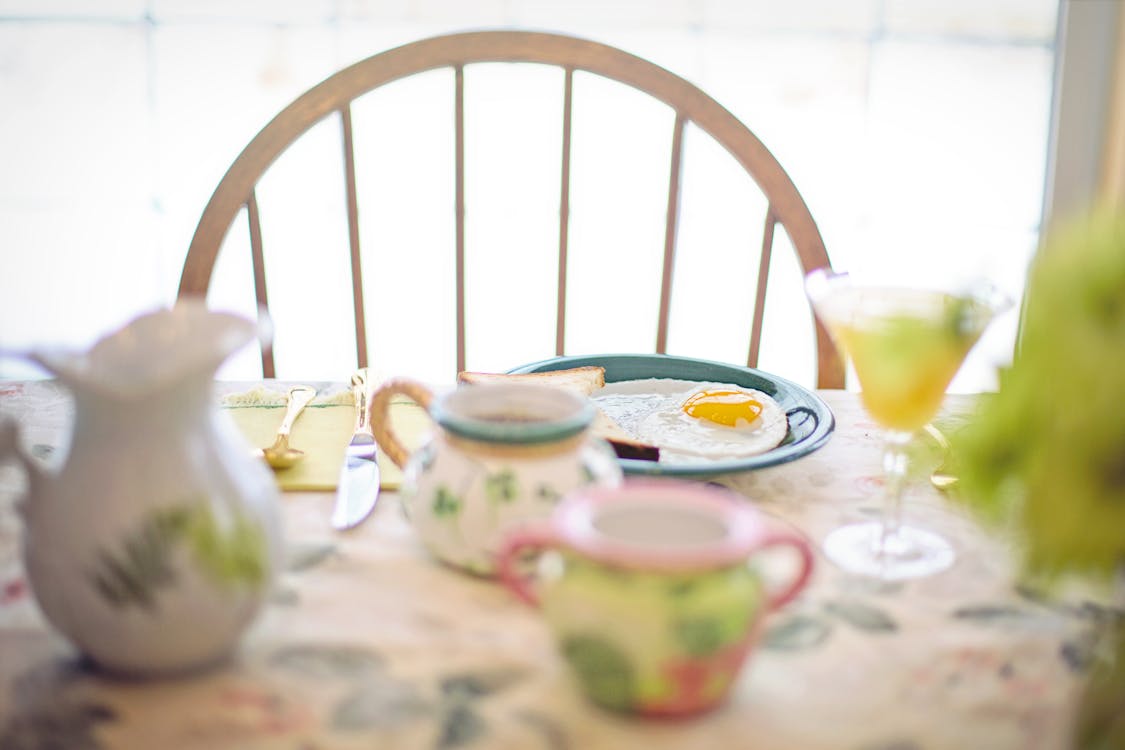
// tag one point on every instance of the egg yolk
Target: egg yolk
(725, 407)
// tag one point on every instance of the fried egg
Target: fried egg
(694, 422)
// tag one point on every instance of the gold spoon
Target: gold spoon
(941, 478)
(280, 455)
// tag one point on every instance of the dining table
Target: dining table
(367, 641)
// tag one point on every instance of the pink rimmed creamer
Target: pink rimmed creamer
(652, 591)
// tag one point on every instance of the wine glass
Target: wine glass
(905, 344)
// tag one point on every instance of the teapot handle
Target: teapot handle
(380, 414)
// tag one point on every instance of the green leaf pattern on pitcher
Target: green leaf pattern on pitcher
(231, 556)
(143, 563)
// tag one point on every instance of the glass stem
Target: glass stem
(895, 443)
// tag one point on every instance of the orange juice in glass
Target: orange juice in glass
(905, 346)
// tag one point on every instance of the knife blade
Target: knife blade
(358, 489)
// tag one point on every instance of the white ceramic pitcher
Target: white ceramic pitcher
(155, 544)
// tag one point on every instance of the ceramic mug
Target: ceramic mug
(503, 454)
(651, 590)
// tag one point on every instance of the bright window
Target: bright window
(916, 132)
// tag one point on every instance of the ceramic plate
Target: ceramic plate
(810, 420)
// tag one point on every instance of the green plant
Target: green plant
(1047, 451)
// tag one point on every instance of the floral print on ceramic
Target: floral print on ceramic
(653, 643)
(651, 590)
(503, 456)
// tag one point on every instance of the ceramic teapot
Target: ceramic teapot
(503, 455)
(154, 545)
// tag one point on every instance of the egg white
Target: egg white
(650, 410)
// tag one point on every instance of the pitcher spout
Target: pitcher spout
(65, 366)
(154, 352)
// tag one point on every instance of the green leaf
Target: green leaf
(302, 557)
(604, 671)
(232, 555)
(797, 633)
(862, 616)
(142, 564)
(380, 703)
(328, 661)
(460, 726)
(445, 503)
(478, 684)
(548, 494)
(700, 636)
(501, 487)
(1002, 614)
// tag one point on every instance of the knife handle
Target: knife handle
(361, 396)
(381, 414)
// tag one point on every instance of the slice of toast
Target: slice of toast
(584, 381)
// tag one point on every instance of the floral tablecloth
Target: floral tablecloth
(369, 643)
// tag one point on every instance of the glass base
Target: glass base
(909, 553)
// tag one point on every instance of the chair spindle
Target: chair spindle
(672, 219)
(459, 208)
(763, 280)
(353, 237)
(257, 259)
(564, 213)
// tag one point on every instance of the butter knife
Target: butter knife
(358, 488)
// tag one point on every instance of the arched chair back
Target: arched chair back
(334, 97)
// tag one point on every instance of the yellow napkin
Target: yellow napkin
(322, 431)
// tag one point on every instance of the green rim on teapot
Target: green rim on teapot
(514, 414)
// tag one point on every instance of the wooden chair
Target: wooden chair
(335, 96)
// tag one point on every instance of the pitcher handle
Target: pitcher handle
(380, 414)
(787, 538)
(10, 448)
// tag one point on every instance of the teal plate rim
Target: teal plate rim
(811, 422)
